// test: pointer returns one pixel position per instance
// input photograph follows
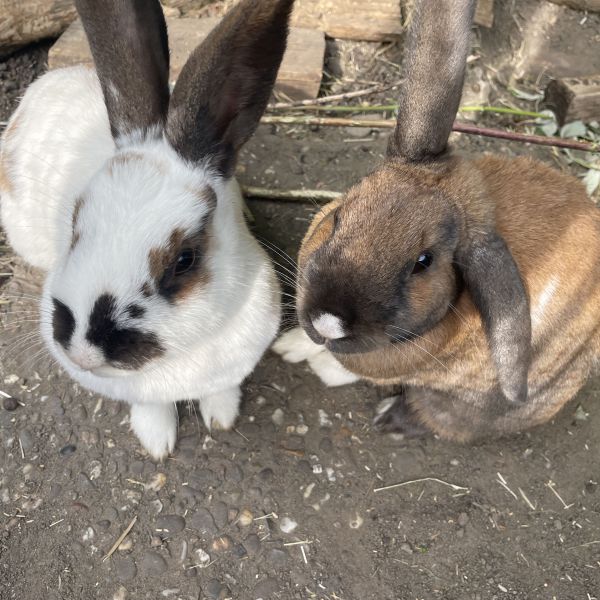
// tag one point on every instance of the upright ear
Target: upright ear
(497, 290)
(128, 39)
(225, 85)
(436, 51)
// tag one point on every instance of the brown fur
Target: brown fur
(553, 232)
(161, 263)
(75, 234)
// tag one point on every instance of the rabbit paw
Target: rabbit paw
(330, 371)
(220, 410)
(294, 346)
(394, 416)
(155, 426)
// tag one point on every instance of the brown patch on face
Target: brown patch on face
(147, 290)
(76, 210)
(206, 196)
(172, 281)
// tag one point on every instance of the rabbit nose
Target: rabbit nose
(329, 326)
(85, 357)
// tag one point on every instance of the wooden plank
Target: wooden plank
(25, 21)
(484, 13)
(593, 5)
(574, 99)
(367, 20)
(299, 76)
(375, 20)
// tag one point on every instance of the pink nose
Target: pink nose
(329, 326)
(86, 357)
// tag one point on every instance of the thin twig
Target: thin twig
(503, 110)
(333, 98)
(120, 539)
(551, 485)
(503, 483)
(583, 545)
(290, 195)
(458, 127)
(456, 488)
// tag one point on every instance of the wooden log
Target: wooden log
(593, 5)
(574, 99)
(299, 76)
(25, 21)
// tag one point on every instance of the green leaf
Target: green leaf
(592, 181)
(573, 130)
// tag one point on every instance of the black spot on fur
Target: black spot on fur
(146, 290)
(63, 323)
(135, 311)
(128, 347)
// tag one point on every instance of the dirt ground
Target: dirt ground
(286, 506)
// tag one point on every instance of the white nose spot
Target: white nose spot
(85, 356)
(329, 326)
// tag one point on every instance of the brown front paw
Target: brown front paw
(394, 416)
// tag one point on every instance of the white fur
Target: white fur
(329, 326)
(295, 346)
(61, 149)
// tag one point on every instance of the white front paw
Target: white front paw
(330, 371)
(294, 346)
(156, 427)
(220, 410)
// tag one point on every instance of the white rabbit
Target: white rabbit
(156, 291)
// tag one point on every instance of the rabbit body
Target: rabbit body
(156, 291)
(473, 285)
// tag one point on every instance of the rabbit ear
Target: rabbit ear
(225, 85)
(128, 40)
(436, 52)
(496, 288)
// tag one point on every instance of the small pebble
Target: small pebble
(170, 525)
(234, 473)
(219, 513)
(557, 524)
(252, 544)
(266, 474)
(10, 404)
(26, 439)
(356, 522)
(202, 556)
(215, 589)
(153, 564)
(67, 450)
(302, 429)
(125, 545)
(202, 521)
(261, 400)
(221, 544)
(246, 517)
(120, 594)
(277, 557)
(406, 547)
(287, 525)
(124, 567)
(277, 417)
(324, 420)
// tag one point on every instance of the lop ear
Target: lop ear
(436, 51)
(496, 287)
(128, 40)
(225, 85)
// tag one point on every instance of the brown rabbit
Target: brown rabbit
(472, 284)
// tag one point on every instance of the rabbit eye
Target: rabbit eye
(185, 261)
(423, 263)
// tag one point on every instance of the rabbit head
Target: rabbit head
(158, 245)
(384, 264)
